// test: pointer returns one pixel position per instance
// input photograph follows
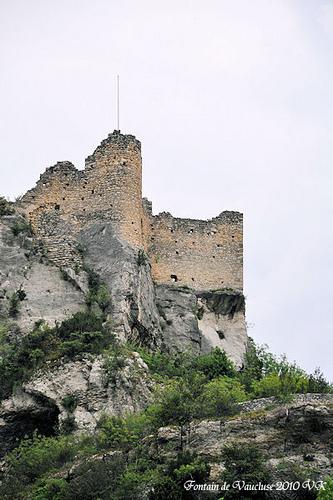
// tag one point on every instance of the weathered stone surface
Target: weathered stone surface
(22, 264)
(128, 390)
(200, 321)
(221, 320)
(40, 402)
(127, 275)
(22, 414)
(177, 308)
(299, 432)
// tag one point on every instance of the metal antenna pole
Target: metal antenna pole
(118, 103)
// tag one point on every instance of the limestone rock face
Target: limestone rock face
(41, 402)
(157, 316)
(21, 415)
(24, 265)
(299, 432)
(200, 321)
(221, 320)
(127, 274)
(153, 315)
(177, 309)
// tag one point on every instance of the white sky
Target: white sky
(232, 101)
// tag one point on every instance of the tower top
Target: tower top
(115, 141)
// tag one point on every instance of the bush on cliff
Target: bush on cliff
(326, 493)
(5, 207)
(83, 332)
(244, 462)
(268, 375)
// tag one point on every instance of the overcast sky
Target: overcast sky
(232, 101)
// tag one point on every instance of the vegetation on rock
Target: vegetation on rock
(5, 207)
(121, 461)
(84, 332)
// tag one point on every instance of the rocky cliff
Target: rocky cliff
(33, 290)
(154, 315)
(77, 391)
(295, 439)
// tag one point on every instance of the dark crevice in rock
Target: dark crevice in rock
(224, 302)
(38, 414)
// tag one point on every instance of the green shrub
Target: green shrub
(289, 380)
(21, 293)
(166, 488)
(14, 301)
(38, 455)
(67, 425)
(93, 479)
(97, 479)
(253, 366)
(184, 467)
(51, 489)
(214, 365)
(115, 434)
(22, 226)
(243, 462)
(98, 292)
(318, 383)
(220, 396)
(69, 402)
(73, 336)
(169, 365)
(5, 207)
(14, 304)
(326, 493)
(82, 321)
(268, 375)
(179, 402)
(198, 470)
(183, 400)
(112, 365)
(76, 269)
(183, 364)
(36, 357)
(103, 297)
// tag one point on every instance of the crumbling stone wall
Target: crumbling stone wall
(198, 254)
(203, 255)
(110, 188)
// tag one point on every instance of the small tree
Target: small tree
(243, 462)
(5, 207)
(14, 304)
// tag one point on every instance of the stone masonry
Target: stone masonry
(203, 255)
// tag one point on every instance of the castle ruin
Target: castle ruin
(202, 255)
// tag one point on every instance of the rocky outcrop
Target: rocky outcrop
(199, 321)
(298, 432)
(127, 274)
(177, 310)
(221, 320)
(24, 265)
(24, 413)
(156, 316)
(153, 315)
(94, 385)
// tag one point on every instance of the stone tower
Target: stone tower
(115, 171)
